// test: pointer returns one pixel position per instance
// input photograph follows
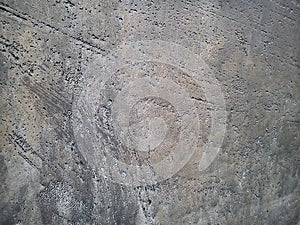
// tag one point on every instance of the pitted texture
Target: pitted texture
(48, 58)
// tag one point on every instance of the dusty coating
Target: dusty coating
(55, 53)
(122, 136)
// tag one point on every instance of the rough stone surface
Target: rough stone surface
(51, 52)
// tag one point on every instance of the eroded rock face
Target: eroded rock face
(149, 112)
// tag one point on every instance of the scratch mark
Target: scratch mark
(35, 22)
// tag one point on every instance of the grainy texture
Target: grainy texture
(49, 50)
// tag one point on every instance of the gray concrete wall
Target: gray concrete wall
(149, 112)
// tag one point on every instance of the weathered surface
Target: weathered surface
(64, 92)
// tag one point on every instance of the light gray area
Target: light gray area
(46, 49)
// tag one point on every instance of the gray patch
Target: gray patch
(4, 67)
(3, 172)
(11, 211)
(60, 201)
